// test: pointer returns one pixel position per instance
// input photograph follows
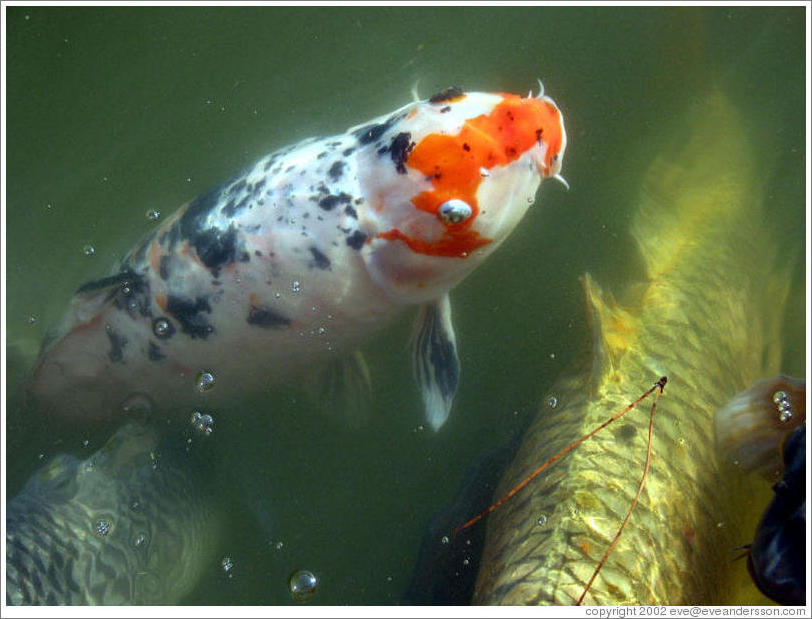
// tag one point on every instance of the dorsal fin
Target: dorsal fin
(613, 330)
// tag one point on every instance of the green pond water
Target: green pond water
(112, 112)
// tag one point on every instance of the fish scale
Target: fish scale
(56, 554)
(708, 320)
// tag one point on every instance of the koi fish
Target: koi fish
(305, 254)
(708, 316)
(120, 527)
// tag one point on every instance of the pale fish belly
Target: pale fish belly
(708, 318)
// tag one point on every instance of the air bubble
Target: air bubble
(542, 520)
(295, 286)
(279, 545)
(89, 250)
(552, 401)
(203, 423)
(32, 319)
(153, 215)
(302, 585)
(162, 327)
(780, 396)
(454, 211)
(102, 527)
(444, 539)
(204, 381)
(139, 540)
(227, 565)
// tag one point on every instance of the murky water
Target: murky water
(113, 113)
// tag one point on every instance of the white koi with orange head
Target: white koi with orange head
(304, 255)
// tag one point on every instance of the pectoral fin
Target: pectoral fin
(434, 356)
(346, 385)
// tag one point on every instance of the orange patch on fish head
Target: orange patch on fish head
(456, 166)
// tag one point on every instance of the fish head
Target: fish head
(460, 171)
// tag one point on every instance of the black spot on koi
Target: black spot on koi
(117, 344)
(336, 170)
(329, 202)
(155, 353)
(448, 94)
(190, 315)
(265, 317)
(356, 240)
(320, 260)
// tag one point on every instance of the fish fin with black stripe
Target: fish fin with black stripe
(435, 361)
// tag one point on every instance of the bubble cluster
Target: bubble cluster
(302, 585)
(204, 381)
(203, 423)
(227, 565)
(784, 406)
(295, 286)
(102, 527)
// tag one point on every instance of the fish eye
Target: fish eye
(454, 211)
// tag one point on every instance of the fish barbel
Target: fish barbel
(707, 317)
